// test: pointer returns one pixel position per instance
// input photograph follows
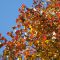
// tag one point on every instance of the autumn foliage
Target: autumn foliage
(36, 34)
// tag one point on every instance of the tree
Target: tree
(40, 36)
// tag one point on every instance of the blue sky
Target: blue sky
(8, 14)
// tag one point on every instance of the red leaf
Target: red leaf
(3, 38)
(18, 26)
(17, 32)
(44, 38)
(9, 33)
(0, 35)
(58, 14)
(16, 37)
(57, 4)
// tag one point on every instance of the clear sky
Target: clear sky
(9, 13)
